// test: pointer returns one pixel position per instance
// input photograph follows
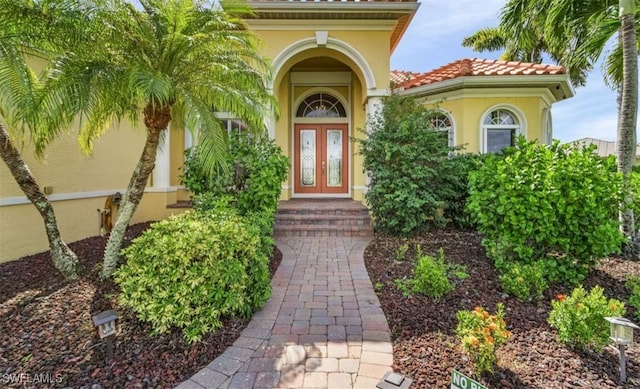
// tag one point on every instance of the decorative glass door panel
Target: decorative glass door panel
(334, 158)
(308, 158)
(321, 164)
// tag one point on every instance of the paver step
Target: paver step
(320, 211)
(322, 230)
(316, 219)
(322, 217)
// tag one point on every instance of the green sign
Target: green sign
(461, 381)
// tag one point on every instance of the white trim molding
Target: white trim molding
(332, 43)
(562, 90)
(162, 170)
(21, 200)
(541, 93)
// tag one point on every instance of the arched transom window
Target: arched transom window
(321, 105)
(442, 122)
(500, 129)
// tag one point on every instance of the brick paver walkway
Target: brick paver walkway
(322, 328)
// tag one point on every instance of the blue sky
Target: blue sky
(434, 39)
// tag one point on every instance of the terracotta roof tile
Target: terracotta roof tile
(473, 67)
(399, 77)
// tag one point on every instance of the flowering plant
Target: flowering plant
(481, 334)
(579, 318)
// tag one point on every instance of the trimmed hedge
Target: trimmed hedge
(554, 204)
(190, 270)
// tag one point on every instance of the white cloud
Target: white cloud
(435, 35)
(440, 20)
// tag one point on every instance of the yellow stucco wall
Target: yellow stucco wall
(359, 122)
(373, 45)
(80, 186)
(468, 114)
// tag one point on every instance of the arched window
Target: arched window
(442, 122)
(500, 129)
(321, 105)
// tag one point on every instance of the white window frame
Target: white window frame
(547, 127)
(451, 130)
(520, 127)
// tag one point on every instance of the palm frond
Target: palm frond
(486, 39)
(207, 129)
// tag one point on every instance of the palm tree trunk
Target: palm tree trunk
(134, 192)
(63, 258)
(628, 115)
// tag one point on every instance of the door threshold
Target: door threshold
(321, 196)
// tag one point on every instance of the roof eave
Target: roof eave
(404, 25)
(404, 11)
(332, 7)
(558, 84)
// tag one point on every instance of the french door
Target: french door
(322, 164)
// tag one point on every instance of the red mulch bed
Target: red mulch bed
(46, 332)
(424, 344)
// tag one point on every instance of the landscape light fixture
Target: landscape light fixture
(622, 335)
(106, 323)
(392, 380)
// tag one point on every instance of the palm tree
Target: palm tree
(527, 43)
(20, 27)
(628, 112)
(494, 39)
(173, 62)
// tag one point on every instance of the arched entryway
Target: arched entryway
(325, 92)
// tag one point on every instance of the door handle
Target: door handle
(322, 167)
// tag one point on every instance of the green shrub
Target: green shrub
(456, 200)
(579, 318)
(550, 203)
(524, 281)
(413, 176)
(432, 276)
(193, 175)
(257, 168)
(633, 283)
(191, 269)
(481, 334)
(401, 252)
(634, 182)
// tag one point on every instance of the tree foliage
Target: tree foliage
(258, 168)
(415, 178)
(169, 63)
(572, 33)
(34, 30)
(576, 34)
